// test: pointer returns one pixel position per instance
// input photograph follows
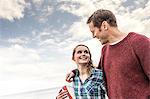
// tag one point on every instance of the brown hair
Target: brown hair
(74, 50)
(102, 15)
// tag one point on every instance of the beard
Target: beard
(103, 41)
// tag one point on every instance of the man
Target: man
(125, 58)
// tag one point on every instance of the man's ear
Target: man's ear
(105, 25)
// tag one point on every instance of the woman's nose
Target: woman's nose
(83, 54)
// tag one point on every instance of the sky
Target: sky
(37, 38)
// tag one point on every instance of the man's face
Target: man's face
(98, 33)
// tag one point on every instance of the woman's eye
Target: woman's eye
(79, 52)
(86, 52)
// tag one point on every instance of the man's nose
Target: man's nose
(94, 36)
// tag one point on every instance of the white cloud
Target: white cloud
(37, 2)
(27, 70)
(129, 24)
(17, 55)
(80, 29)
(126, 19)
(146, 30)
(77, 7)
(19, 41)
(47, 42)
(135, 21)
(83, 9)
(87, 7)
(45, 12)
(12, 9)
(45, 39)
(141, 13)
(42, 9)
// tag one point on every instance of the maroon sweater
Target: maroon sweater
(126, 67)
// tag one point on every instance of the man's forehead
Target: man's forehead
(91, 26)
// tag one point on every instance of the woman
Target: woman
(88, 82)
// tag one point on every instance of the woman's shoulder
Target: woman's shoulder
(97, 72)
(97, 75)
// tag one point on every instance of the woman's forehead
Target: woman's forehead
(81, 48)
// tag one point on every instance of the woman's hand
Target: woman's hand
(62, 94)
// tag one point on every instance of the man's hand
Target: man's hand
(62, 94)
(69, 77)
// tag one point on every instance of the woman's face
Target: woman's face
(81, 55)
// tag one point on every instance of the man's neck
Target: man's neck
(116, 36)
(118, 40)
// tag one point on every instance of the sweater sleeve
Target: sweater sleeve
(141, 46)
(100, 65)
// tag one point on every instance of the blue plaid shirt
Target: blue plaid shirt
(92, 88)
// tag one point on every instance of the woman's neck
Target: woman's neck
(84, 72)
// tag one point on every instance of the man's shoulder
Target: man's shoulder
(137, 39)
(137, 36)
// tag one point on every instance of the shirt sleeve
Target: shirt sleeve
(99, 79)
(141, 46)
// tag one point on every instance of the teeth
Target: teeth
(83, 57)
